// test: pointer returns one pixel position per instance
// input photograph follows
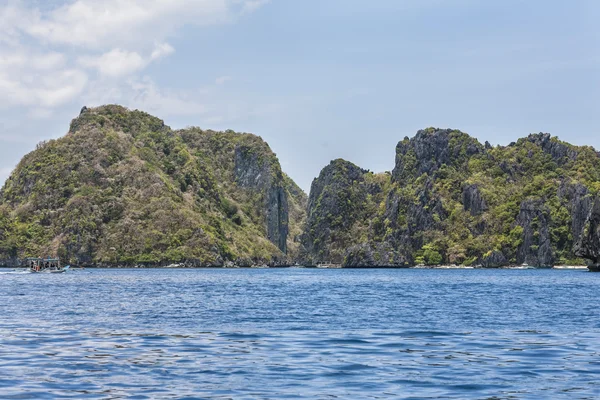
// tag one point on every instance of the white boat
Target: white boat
(523, 266)
(45, 266)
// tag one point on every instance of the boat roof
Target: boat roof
(42, 259)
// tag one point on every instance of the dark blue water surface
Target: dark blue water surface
(300, 333)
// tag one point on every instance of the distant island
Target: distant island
(123, 189)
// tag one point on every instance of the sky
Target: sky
(317, 79)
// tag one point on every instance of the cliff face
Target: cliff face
(340, 204)
(588, 244)
(123, 188)
(256, 173)
(451, 199)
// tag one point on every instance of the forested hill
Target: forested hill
(122, 188)
(451, 199)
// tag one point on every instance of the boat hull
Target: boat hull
(54, 271)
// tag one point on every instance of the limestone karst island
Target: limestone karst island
(123, 189)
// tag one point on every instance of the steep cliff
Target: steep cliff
(453, 200)
(341, 203)
(588, 244)
(123, 188)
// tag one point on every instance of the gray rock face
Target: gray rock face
(560, 152)
(277, 217)
(473, 201)
(337, 198)
(494, 260)
(10, 262)
(588, 245)
(580, 203)
(250, 171)
(426, 213)
(379, 255)
(422, 215)
(536, 249)
(430, 149)
(253, 172)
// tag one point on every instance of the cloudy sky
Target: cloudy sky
(317, 79)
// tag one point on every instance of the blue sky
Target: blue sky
(317, 79)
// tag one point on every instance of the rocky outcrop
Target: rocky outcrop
(495, 259)
(451, 199)
(381, 255)
(253, 171)
(411, 218)
(473, 200)
(536, 248)
(588, 245)
(337, 199)
(560, 152)
(277, 217)
(430, 149)
(579, 201)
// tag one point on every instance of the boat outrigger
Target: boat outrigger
(45, 265)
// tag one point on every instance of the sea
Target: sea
(300, 334)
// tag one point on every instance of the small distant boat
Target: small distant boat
(328, 265)
(524, 266)
(45, 265)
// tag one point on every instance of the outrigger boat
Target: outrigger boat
(45, 265)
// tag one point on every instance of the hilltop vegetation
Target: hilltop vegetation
(123, 188)
(451, 199)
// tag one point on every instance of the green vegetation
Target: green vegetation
(123, 188)
(452, 200)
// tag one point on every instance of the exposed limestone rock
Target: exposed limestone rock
(253, 171)
(494, 260)
(588, 245)
(473, 201)
(337, 199)
(560, 152)
(535, 249)
(380, 255)
(430, 149)
(580, 202)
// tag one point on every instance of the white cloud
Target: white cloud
(61, 87)
(16, 60)
(114, 63)
(116, 38)
(251, 5)
(222, 79)
(161, 50)
(110, 23)
(118, 62)
(98, 23)
(37, 79)
(145, 95)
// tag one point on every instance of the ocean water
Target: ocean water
(300, 334)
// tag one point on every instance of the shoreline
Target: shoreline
(182, 266)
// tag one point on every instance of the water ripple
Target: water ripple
(293, 334)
